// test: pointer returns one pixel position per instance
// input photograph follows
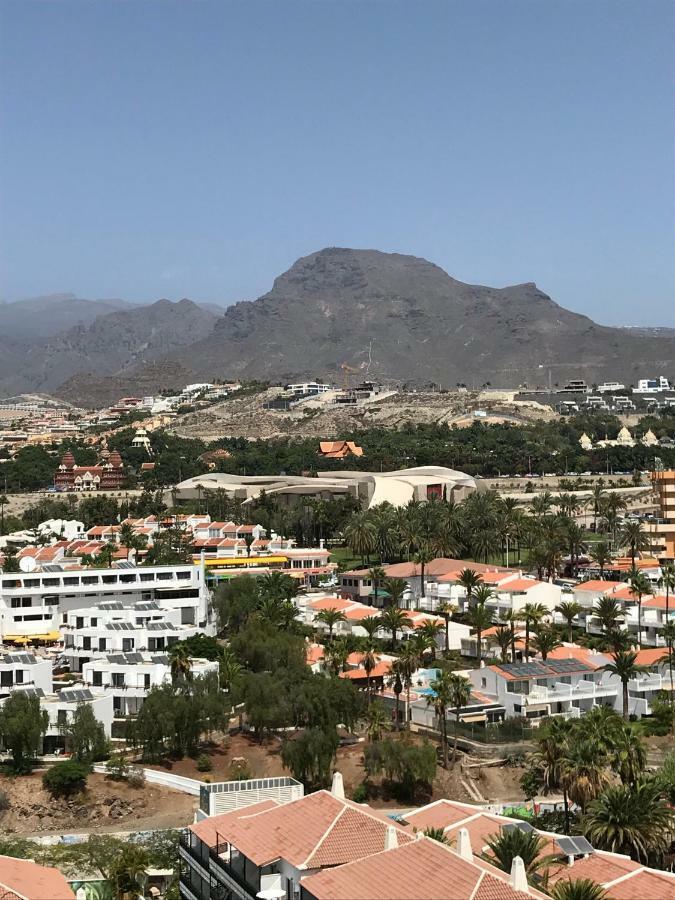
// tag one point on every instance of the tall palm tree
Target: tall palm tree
(624, 666)
(630, 819)
(633, 537)
(668, 634)
(371, 625)
(531, 614)
(553, 742)
(609, 613)
(408, 661)
(628, 753)
(396, 588)
(369, 661)
(360, 535)
(459, 694)
(440, 700)
(396, 684)
(576, 545)
(597, 498)
(393, 619)
(480, 619)
(423, 556)
(569, 610)
(330, 618)
(376, 574)
(469, 579)
(541, 504)
(446, 610)
(667, 581)
(335, 655)
(503, 638)
(430, 631)
(578, 889)
(545, 640)
(601, 555)
(640, 586)
(377, 721)
(585, 771)
(181, 664)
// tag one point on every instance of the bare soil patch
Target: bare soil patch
(105, 806)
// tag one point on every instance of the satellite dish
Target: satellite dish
(27, 563)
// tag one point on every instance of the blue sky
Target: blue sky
(174, 149)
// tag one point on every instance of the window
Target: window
(71, 581)
(79, 622)
(19, 676)
(90, 579)
(34, 618)
(101, 643)
(16, 602)
(183, 576)
(146, 681)
(117, 679)
(26, 601)
(86, 643)
(97, 679)
(147, 577)
(483, 682)
(6, 679)
(51, 582)
(165, 576)
(127, 644)
(94, 622)
(110, 579)
(62, 717)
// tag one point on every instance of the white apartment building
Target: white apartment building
(510, 592)
(24, 670)
(34, 604)
(128, 677)
(652, 385)
(609, 387)
(653, 613)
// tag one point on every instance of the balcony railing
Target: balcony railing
(561, 691)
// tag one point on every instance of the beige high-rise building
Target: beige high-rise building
(663, 530)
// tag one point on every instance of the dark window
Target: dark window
(97, 679)
(86, 643)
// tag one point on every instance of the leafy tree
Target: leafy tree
(428, 633)
(584, 771)
(330, 618)
(66, 778)
(480, 619)
(569, 610)
(85, 736)
(546, 640)
(377, 721)
(261, 647)
(437, 834)
(393, 620)
(629, 756)
(625, 667)
(181, 664)
(396, 588)
(578, 889)
(469, 580)
(22, 727)
(310, 755)
(235, 602)
(404, 763)
(630, 819)
(549, 759)
(640, 586)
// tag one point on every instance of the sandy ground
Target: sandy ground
(105, 806)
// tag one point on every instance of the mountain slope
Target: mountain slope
(41, 317)
(402, 318)
(110, 344)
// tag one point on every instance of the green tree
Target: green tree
(181, 664)
(22, 727)
(609, 614)
(569, 610)
(330, 618)
(458, 695)
(444, 693)
(377, 575)
(532, 615)
(504, 847)
(633, 537)
(480, 619)
(640, 586)
(625, 667)
(85, 736)
(578, 889)
(66, 778)
(554, 739)
(395, 587)
(630, 819)
(377, 721)
(393, 620)
(545, 641)
(361, 536)
(584, 771)
(429, 632)
(628, 753)
(601, 554)
(469, 579)
(405, 764)
(310, 755)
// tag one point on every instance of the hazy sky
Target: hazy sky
(173, 149)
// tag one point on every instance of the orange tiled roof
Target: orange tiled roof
(358, 612)
(380, 671)
(649, 656)
(598, 586)
(440, 814)
(330, 603)
(25, 879)
(207, 830)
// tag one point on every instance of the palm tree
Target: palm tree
(369, 661)
(459, 694)
(584, 771)
(396, 588)
(633, 537)
(601, 555)
(597, 497)
(640, 586)
(181, 664)
(371, 626)
(377, 721)
(437, 834)
(531, 614)
(578, 889)
(278, 586)
(469, 580)
(569, 610)
(408, 661)
(393, 619)
(504, 637)
(505, 846)
(376, 574)
(360, 535)
(330, 618)
(230, 669)
(446, 610)
(630, 819)
(625, 668)
(335, 655)
(609, 612)
(546, 640)
(541, 504)
(396, 684)
(480, 619)
(440, 699)
(430, 630)
(553, 742)
(668, 634)
(421, 558)
(667, 581)
(629, 757)
(3, 503)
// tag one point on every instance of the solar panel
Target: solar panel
(566, 665)
(29, 692)
(161, 660)
(518, 826)
(52, 567)
(125, 564)
(583, 846)
(134, 658)
(524, 669)
(117, 658)
(574, 846)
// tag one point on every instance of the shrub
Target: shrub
(204, 763)
(239, 770)
(360, 794)
(136, 778)
(65, 778)
(118, 768)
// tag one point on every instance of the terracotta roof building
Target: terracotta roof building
(22, 879)
(106, 475)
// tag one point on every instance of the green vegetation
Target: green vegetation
(22, 727)
(66, 778)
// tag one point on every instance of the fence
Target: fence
(164, 779)
(227, 795)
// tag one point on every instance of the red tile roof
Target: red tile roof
(421, 868)
(440, 814)
(330, 603)
(25, 879)
(207, 830)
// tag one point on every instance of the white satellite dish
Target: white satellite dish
(27, 563)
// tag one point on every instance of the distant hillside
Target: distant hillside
(387, 316)
(41, 317)
(111, 344)
(402, 318)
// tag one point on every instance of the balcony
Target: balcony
(649, 683)
(560, 691)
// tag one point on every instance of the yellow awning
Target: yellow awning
(16, 638)
(48, 636)
(480, 717)
(244, 561)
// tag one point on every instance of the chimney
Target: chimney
(337, 788)
(518, 879)
(464, 845)
(390, 838)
